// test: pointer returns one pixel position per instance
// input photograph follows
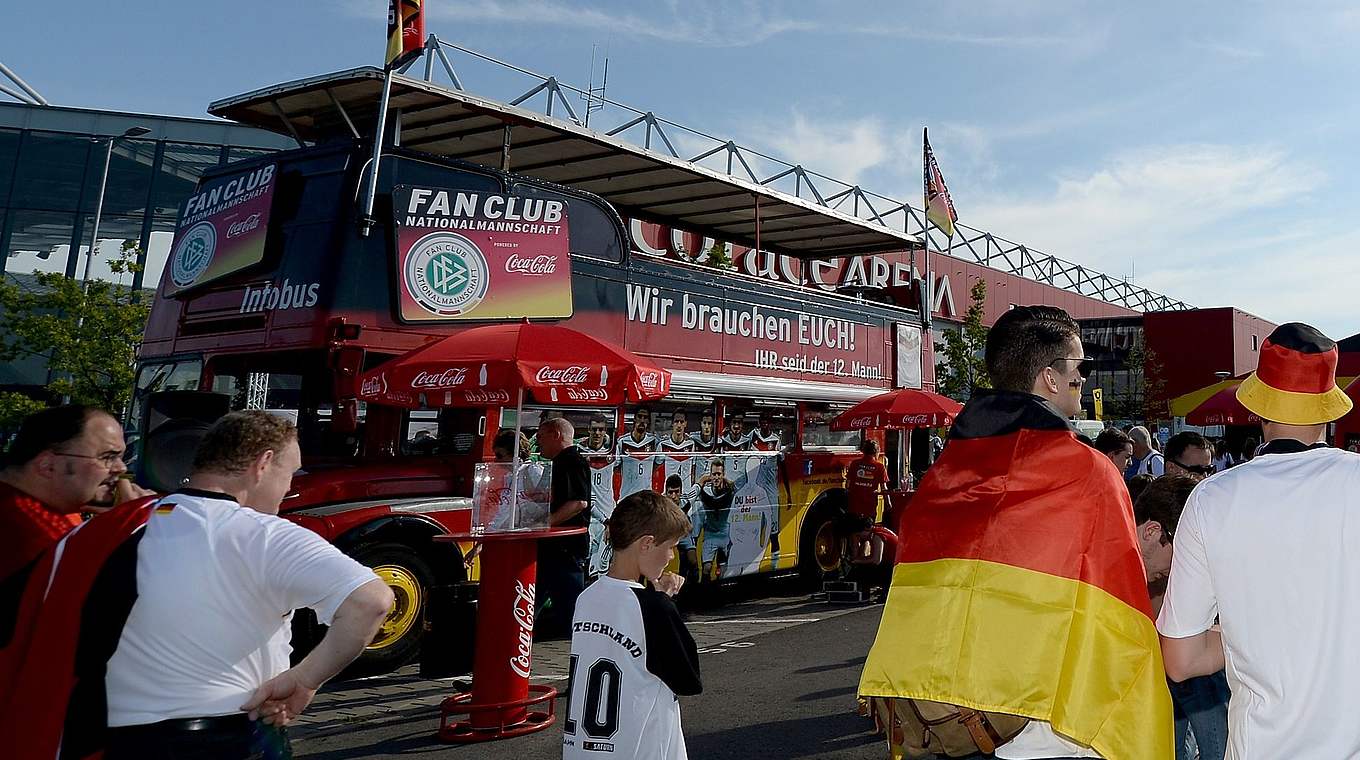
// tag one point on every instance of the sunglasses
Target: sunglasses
(1198, 469)
(1085, 364)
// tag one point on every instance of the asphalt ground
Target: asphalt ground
(779, 681)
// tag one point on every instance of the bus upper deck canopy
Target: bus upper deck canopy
(640, 182)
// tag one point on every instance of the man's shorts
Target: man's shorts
(717, 546)
(849, 523)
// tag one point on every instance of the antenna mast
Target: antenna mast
(594, 96)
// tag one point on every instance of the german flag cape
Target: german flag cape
(1019, 587)
(78, 597)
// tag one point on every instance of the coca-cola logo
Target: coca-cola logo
(486, 397)
(373, 386)
(916, 419)
(532, 265)
(449, 378)
(650, 380)
(245, 225)
(524, 616)
(587, 394)
(574, 375)
(862, 422)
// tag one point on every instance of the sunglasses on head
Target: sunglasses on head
(1084, 364)
(1198, 469)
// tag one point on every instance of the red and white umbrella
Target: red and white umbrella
(495, 365)
(900, 409)
(1222, 408)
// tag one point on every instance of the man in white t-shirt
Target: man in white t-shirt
(202, 661)
(1146, 460)
(1267, 549)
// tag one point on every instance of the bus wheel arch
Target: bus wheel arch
(819, 546)
(400, 551)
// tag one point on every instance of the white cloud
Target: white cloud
(843, 149)
(1227, 50)
(696, 23)
(1147, 197)
(1194, 222)
(740, 24)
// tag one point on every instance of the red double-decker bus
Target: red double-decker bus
(275, 299)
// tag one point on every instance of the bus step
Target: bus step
(841, 592)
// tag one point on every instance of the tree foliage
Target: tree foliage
(14, 407)
(962, 368)
(717, 256)
(88, 332)
(1144, 397)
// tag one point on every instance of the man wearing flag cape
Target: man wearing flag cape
(1019, 587)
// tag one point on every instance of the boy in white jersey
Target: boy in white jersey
(689, 557)
(603, 464)
(637, 455)
(630, 652)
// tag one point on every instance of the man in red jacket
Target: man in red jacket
(64, 461)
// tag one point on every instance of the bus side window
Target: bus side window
(592, 231)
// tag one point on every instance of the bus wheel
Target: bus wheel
(410, 577)
(820, 547)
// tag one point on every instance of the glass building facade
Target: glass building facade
(1109, 341)
(51, 164)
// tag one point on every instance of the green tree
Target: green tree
(963, 369)
(1143, 398)
(14, 407)
(718, 258)
(88, 332)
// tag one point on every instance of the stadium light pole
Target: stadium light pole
(137, 131)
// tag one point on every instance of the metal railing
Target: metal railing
(663, 136)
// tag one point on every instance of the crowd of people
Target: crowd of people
(1053, 597)
(1061, 598)
(161, 626)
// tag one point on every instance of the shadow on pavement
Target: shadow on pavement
(850, 663)
(814, 738)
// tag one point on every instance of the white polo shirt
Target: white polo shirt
(217, 584)
(1272, 547)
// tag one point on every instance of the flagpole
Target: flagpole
(366, 220)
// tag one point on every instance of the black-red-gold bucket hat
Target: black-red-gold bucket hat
(1295, 379)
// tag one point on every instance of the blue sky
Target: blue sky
(1205, 147)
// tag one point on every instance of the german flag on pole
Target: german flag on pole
(939, 206)
(405, 31)
(1019, 587)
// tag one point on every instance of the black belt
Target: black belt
(238, 722)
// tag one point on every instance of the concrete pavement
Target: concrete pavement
(779, 681)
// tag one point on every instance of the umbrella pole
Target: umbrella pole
(514, 461)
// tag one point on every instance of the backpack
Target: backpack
(919, 729)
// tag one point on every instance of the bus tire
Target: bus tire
(819, 548)
(410, 578)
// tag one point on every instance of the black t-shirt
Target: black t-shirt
(571, 482)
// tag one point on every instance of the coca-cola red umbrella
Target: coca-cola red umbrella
(899, 409)
(495, 365)
(1222, 408)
